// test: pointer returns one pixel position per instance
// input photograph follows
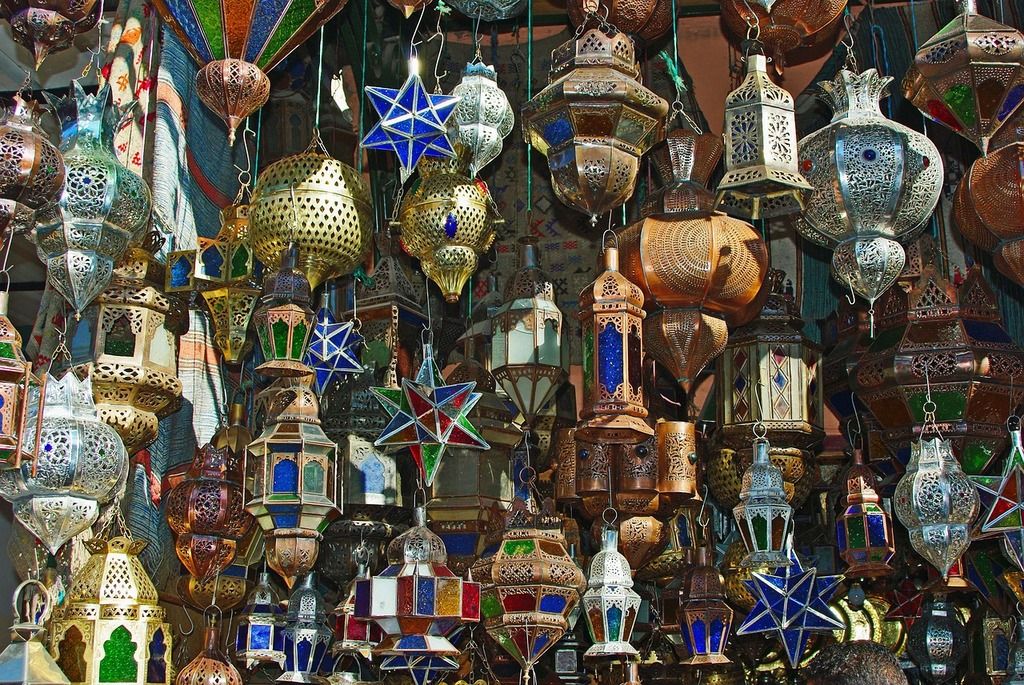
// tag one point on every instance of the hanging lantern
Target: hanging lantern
(864, 529)
(937, 642)
(19, 389)
(47, 26)
(490, 10)
(260, 636)
(969, 76)
(646, 21)
(527, 356)
(764, 517)
(25, 660)
(228, 589)
(685, 538)
(1015, 662)
(684, 162)
(611, 316)
(283, 320)
(32, 168)
(447, 221)
(333, 348)
(294, 492)
(128, 341)
(306, 635)
(111, 628)
(937, 503)
(316, 202)
(875, 182)
(610, 603)
(563, 452)
(579, 121)
(724, 470)
(529, 583)
(483, 117)
(354, 635)
(103, 206)
(1001, 504)
(761, 177)
(210, 666)
(81, 464)
(705, 617)
(782, 25)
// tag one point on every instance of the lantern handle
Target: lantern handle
(47, 600)
(609, 516)
(609, 232)
(208, 612)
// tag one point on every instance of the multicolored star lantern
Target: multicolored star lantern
(412, 121)
(1001, 506)
(427, 416)
(793, 602)
(333, 349)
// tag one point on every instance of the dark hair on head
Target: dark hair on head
(855, 663)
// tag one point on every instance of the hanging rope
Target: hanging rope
(362, 88)
(529, 96)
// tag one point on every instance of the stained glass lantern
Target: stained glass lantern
(81, 465)
(490, 10)
(294, 492)
(937, 642)
(937, 503)
(1015, 662)
(645, 20)
(764, 516)
(334, 347)
(306, 634)
(705, 618)
(19, 387)
(579, 121)
(610, 603)
(128, 337)
(527, 355)
(104, 204)
(260, 636)
(354, 635)
(782, 25)
(25, 660)
(761, 176)
(864, 529)
(1001, 504)
(611, 317)
(111, 627)
(46, 26)
(284, 320)
(32, 169)
(483, 117)
(210, 666)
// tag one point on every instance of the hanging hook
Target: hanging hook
(852, 297)
(847, 41)
(703, 518)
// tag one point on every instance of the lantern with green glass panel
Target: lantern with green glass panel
(284, 319)
(863, 528)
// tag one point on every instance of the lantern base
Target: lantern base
(610, 649)
(283, 368)
(616, 429)
(706, 660)
(760, 559)
(298, 677)
(260, 657)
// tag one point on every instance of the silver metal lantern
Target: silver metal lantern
(306, 635)
(259, 639)
(610, 603)
(937, 641)
(763, 514)
(483, 118)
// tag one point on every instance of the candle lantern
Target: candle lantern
(705, 617)
(937, 642)
(610, 603)
(355, 635)
(25, 660)
(306, 635)
(284, 319)
(763, 515)
(32, 169)
(210, 666)
(483, 117)
(761, 177)
(782, 25)
(111, 627)
(863, 528)
(260, 635)
(19, 387)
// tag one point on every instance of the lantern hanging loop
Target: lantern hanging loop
(929, 408)
(208, 612)
(45, 609)
(847, 42)
(753, 28)
(609, 232)
(609, 516)
(703, 517)
(478, 56)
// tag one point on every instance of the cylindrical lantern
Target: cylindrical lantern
(19, 387)
(610, 603)
(705, 618)
(260, 636)
(863, 528)
(763, 515)
(284, 319)
(483, 118)
(306, 635)
(937, 642)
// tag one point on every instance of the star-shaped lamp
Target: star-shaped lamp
(412, 121)
(427, 416)
(794, 603)
(333, 349)
(1001, 508)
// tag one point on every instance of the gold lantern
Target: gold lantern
(129, 335)
(761, 176)
(594, 121)
(111, 628)
(294, 491)
(16, 381)
(210, 666)
(611, 316)
(316, 202)
(782, 25)
(284, 320)
(447, 221)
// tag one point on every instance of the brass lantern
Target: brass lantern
(782, 25)
(764, 516)
(705, 618)
(646, 21)
(863, 528)
(210, 666)
(594, 121)
(611, 316)
(316, 202)
(527, 355)
(111, 627)
(483, 117)
(32, 170)
(294, 493)
(45, 26)
(610, 603)
(684, 162)
(284, 319)
(761, 176)
(19, 388)
(25, 660)
(969, 76)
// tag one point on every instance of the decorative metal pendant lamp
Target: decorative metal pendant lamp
(306, 635)
(32, 171)
(260, 635)
(864, 529)
(483, 117)
(761, 176)
(782, 25)
(764, 516)
(284, 320)
(644, 20)
(25, 660)
(705, 618)
(610, 603)
(937, 641)
(47, 26)
(594, 158)
(210, 666)
(19, 389)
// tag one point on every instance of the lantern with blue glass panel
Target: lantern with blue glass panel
(705, 618)
(260, 636)
(306, 635)
(610, 603)
(864, 528)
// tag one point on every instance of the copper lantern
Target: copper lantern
(210, 666)
(863, 528)
(284, 319)
(782, 25)
(647, 20)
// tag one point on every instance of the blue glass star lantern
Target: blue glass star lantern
(1002, 511)
(793, 602)
(428, 416)
(412, 121)
(333, 349)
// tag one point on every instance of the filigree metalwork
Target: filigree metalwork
(483, 117)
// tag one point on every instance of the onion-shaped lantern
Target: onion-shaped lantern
(19, 388)
(210, 666)
(610, 603)
(937, 641)
(316, 202)
(284, 319)
(32, 169)
(490, 10)
(864, 529)
(761, 177)
(228, 589)
(306, 635)
(48, 26)
(579, 121)
(704, 617)
(483, 117)
(81, 464)
(447, 221)
(937, 503)
(764, 516)
(782, 25)
(644, 20)
(875, 182)
(103, 206)
(260, 636)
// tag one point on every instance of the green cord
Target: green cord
(529, 96)
(362, 89)
(319, 78)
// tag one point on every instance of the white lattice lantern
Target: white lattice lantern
(610, 603)
(483, 118)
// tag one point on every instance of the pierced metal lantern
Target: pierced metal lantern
(103, 206)
(19, 387)
(111, 627)
(25, 660)
(611, 316)
(969, 76)
(490, 10)
(685, 536)
(294, 494)
(210, 666)
(483, 117)
(527, 355)
(284, 320)
(937, 641)
(316, 202)
(594, 121)
(32, 169)
(761, 176)
(306, 634)
(864, 529)
(228, 589)
(705, 618)
(610, 603)
(81, 464)
(684, 162)
(937, 503)
(644, 20)
(260, 636)
(48, 26)
(782, 25)
(447, 221)
(764, 516)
